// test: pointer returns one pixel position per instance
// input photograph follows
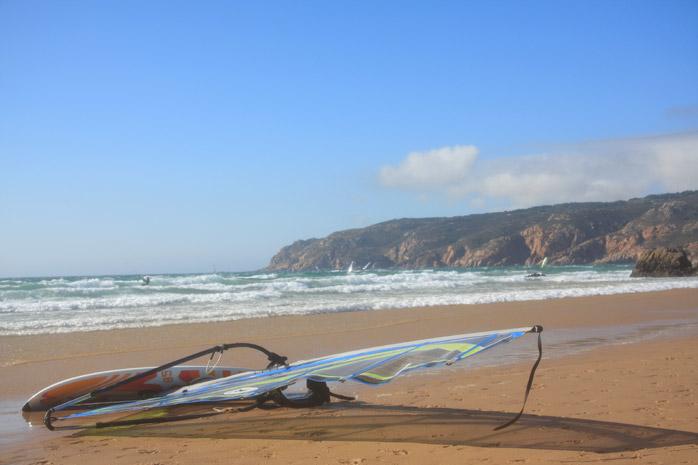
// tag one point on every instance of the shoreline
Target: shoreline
(571, 325)
(555, 312)
(107, 303)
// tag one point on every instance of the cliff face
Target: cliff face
(578, 233)
(664, 262)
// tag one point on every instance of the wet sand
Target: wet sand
(629, 403)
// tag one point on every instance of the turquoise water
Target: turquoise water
(67, 304)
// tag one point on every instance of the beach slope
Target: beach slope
(593, 400)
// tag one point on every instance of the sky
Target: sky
(171, 136)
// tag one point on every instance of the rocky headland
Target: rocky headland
(573, 233)
(664, 262)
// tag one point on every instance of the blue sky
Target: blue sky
(144, 137)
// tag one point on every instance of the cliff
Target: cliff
(573, 233)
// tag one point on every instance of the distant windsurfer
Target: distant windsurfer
(145, 280)
(540, 274)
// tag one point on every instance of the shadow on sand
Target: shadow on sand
(446, 426)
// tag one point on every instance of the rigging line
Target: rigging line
(210, 367)
(536, 329)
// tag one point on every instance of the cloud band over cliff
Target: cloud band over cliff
(603, 170)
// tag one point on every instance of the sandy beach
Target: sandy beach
(348, 233)
(632, 401)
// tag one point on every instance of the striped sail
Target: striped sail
(375, 365)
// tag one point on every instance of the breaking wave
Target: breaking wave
(67, 304)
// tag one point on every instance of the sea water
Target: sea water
(67, 304)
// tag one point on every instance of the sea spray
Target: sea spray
(67, 304)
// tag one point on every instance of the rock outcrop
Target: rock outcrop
(663, 262)
(575, 233)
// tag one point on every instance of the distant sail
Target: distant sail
(544, 262)
(366, 266)
(351, 267)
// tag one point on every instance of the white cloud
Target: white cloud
(432, 169)
(677, 161)
(592, 171)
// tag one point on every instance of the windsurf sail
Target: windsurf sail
(544, 262)
(351, 267)
(374, 366)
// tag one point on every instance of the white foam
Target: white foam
(79, 304)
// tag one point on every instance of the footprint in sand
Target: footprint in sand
(148, 451)
(358, 461)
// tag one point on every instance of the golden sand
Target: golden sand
(632, 403)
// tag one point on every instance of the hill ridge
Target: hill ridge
(569, 233)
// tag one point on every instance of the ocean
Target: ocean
(68, 304)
